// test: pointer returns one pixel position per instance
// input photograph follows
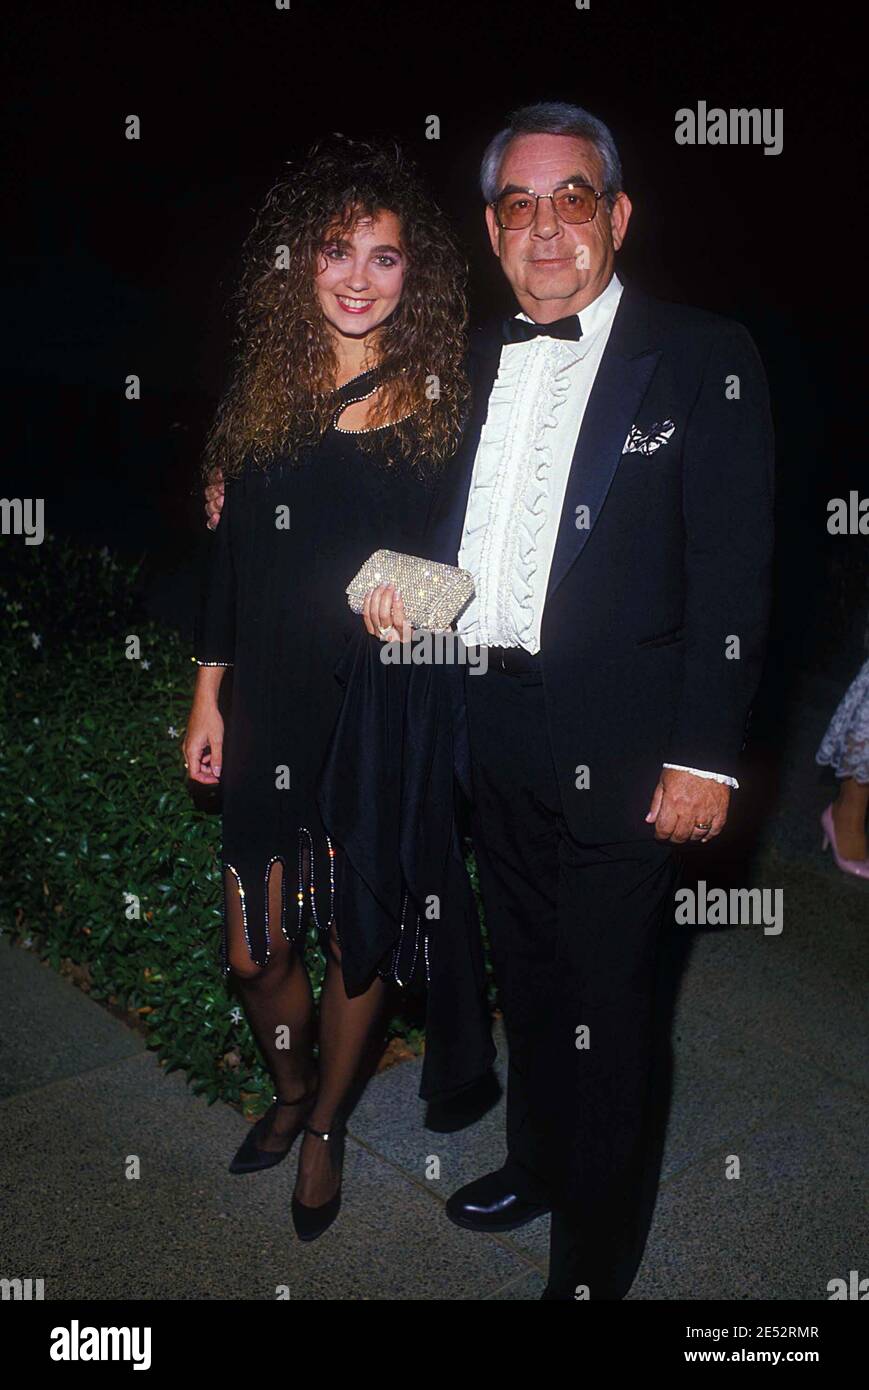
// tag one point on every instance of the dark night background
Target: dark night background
(120, 258)
(122, 255)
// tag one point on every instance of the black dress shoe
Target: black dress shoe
(250, 1158)
(489, 1204)
(311, 1222)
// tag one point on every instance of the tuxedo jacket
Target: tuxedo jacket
(657, 605)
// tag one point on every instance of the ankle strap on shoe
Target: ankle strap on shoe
(325, 1135)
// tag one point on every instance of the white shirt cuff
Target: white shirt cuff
(711, 776)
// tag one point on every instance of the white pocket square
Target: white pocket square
(646, 442)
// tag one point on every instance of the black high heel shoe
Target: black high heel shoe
(250, 1158)
(311, 1222)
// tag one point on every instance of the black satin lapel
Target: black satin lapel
(448, 514)
(612, 408)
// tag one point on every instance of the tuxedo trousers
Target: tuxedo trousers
(575, 929)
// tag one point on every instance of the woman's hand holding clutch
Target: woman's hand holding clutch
(384, 616)
(434, 595)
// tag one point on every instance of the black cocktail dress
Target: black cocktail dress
(274, 609)
(316, 719)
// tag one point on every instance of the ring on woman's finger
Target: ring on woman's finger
(385, 631)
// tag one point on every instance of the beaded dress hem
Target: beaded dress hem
(407, 959)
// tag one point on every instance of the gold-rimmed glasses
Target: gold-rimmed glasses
(516, 208)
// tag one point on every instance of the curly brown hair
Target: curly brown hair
(278, 401)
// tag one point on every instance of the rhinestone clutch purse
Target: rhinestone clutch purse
(434, 594)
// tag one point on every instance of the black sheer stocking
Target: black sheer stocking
(349, 1045)
(279, 1005)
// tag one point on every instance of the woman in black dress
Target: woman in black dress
(347, 397)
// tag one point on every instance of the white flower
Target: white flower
(235, 1014)
(173, 732)
(36, 640)
(146, 665)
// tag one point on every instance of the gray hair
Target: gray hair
(553, 118)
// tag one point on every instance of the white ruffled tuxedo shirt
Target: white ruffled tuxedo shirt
(520, 476)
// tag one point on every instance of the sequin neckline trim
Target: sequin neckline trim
(353, 400)
(360, 376)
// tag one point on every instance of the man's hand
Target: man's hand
(214, 500)
(682, 802)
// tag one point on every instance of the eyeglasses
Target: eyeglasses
(574, 202)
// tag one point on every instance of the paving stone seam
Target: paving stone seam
(496, 1237)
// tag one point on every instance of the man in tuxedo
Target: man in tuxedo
(613, 501)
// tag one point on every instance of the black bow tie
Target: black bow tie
(519, 331)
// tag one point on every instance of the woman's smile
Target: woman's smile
(354, 306)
